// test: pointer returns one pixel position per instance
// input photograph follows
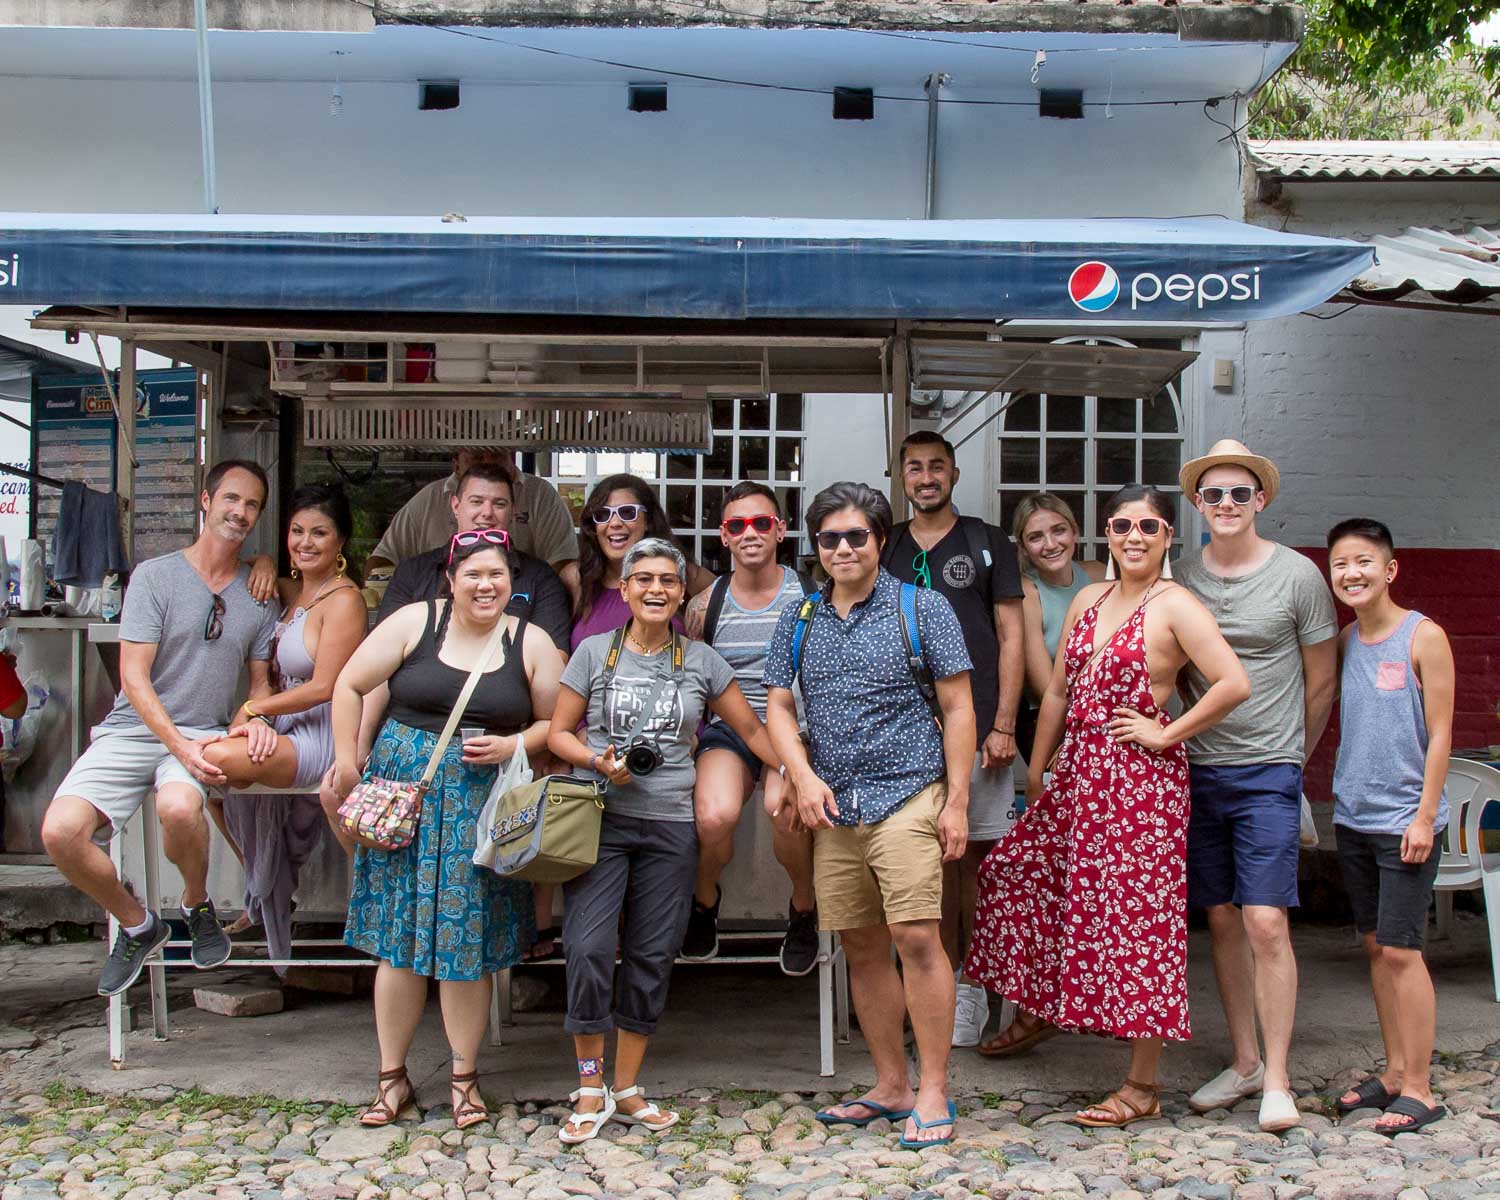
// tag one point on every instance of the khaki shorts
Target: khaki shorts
(883, 873)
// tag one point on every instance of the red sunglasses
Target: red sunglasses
(736, 526)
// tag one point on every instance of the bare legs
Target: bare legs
(1257, 977)
(1407, 1008)
(630, 1053)
(724, 785)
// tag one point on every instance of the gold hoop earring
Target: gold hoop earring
(340, 566)
(296, 574)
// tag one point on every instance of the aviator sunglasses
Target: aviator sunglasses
(629, 513)
(1149, 526)
(828, 539)
(1241, 493)
(735, 526)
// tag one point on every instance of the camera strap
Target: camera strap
(612, 661)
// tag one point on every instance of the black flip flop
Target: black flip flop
(1372, 1094)
(1419, 1113)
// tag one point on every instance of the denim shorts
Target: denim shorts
(718, 736)
(1242, 834)
(1389, 897)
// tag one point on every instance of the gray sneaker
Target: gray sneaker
(128, 959)
(211, 944)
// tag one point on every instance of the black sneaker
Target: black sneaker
(702, 940)
(128, 959)
(211, 945)
(799, 948)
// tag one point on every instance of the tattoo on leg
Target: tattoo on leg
(588, 1067)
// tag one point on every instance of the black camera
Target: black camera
(642, 757)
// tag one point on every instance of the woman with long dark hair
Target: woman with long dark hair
(1082, 917)
(620, 511)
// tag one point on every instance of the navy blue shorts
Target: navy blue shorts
(1242, 834)
(718, 736)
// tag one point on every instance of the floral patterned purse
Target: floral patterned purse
(382, 814)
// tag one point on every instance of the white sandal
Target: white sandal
(647, 1115)
(589, 1123)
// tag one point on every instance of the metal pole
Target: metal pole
(206, 108)
(933, 85)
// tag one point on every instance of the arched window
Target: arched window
(1084, 447)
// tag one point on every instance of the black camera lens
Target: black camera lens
(642, 759)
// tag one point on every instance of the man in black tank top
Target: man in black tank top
(484, 500)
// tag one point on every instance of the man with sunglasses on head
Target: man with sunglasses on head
(737, 616)
(1245, 774)
(483, 500)
(189, 627)
(884, 786)
(973, 564)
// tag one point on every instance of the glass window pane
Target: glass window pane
(1008, 502)
(682, 466)
(719, 462)
(572, 464)
(1064, 460)
(1116, 415)
(645, 464)
(722, 410)
(1159, 415)
(1024, 414)
(789, 411)
(755, 457)
(682, 507)
(715, 556)
(1020, 460)
(791, 508)
(755, 412)
(573, 495)
(610, 463)
(789, 458)
(1078, 502)
(1065, 412)
(713, 507)
(1160, 461)
(1114, 462)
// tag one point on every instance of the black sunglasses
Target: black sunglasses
(828, 539)
(1241, 493)
(213, 628)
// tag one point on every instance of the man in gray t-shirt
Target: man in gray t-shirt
(1245, 784)
(188, 628)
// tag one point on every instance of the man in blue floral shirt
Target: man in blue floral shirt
(886, 794)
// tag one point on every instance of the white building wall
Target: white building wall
(131, 145)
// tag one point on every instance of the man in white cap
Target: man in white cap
(1246, 773)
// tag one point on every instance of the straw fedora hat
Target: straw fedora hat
(1227, 452)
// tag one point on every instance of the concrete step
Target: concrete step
(35, 896)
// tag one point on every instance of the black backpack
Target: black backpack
(976, 540)
(720, 589)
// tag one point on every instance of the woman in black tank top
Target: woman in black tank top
(426, 911)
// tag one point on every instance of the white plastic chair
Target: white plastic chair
(1471, 787)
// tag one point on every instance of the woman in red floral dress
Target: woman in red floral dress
(1082, 915)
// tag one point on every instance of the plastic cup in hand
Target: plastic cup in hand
(469, 732)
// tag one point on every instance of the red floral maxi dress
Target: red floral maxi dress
(1082, 915)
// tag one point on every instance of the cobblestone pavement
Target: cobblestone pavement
(74, 1146)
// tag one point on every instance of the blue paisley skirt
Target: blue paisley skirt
(427, 908)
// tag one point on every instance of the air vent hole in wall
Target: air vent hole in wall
(1064, 103)
(648, 97)
(853, 104)
(438, 94)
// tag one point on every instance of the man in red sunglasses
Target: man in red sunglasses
(737, 616)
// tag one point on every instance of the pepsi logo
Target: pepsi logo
(1093, 286)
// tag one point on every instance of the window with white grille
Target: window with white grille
(754, 437)
(1083, 448)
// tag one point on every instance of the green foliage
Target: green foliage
(1371, 69)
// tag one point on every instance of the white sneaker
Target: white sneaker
(1226, 1089)
(1278, 1111)
(971, 1010)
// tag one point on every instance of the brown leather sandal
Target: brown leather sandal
(1018, 1037)
(469, 1113)
(383, 1112)
(1120, 1112)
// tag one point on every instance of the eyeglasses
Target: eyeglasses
(473, 537)
(1149, 526)
(1241, 493)
(736, 526)
(629, 513)
(645, 579)
(828, 539)
(213, 628)
(922, 570)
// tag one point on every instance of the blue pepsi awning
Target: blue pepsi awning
(1201, 270)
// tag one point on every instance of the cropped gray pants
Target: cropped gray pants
(648, 869)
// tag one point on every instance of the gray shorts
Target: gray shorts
(992, 802)
(121, 765)
(1389, 897)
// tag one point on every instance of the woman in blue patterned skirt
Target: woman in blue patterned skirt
(426, 911)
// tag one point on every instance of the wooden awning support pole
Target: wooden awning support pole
(900, 414)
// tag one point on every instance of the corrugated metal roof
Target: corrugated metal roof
(1329, 160)
(1461, 267)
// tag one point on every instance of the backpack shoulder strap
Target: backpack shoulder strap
(897, 533)
(799, 630)
(977, 540)
(911, 638)
(716, 595)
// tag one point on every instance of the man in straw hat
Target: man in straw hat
(1246, 773)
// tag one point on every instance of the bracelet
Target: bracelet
(997, 729)
(594, 763)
